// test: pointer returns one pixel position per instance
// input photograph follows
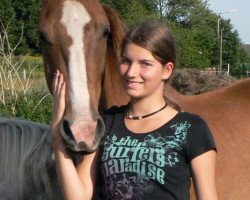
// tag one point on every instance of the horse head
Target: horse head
(77, 40)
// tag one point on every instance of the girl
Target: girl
(151, 148)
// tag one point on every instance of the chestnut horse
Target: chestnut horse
(79, 36)
(75, 36)
(82, 39)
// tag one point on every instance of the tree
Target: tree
(27, 14)
(134, 11)
(8, 21)
(195, 47)
(21, 19)
(181, 12)
(194, 25)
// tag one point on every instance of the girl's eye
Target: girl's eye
(125, 61)
(146, 64)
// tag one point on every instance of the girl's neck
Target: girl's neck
(145, 106)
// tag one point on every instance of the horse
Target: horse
(83, 39)
(79, 52)
(27, 168)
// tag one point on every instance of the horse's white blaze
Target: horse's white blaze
(74, 18)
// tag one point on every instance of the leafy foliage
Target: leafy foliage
(23, 17)
(134, 11)
(35, 105)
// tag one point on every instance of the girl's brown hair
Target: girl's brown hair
(156, 37)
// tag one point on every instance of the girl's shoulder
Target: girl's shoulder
(195, 119)
(199, 138)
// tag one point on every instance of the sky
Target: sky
(240, 18)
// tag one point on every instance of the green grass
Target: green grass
(32, 64)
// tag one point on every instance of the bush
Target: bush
(193, 81)
(35, 105)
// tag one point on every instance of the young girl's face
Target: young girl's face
(143, 75)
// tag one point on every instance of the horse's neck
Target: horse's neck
(192, 103)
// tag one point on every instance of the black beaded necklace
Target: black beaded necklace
(128, 116)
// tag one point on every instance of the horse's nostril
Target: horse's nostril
(67, 131)
(82, 145)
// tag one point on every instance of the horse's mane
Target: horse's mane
(25, 161)
(113, 81)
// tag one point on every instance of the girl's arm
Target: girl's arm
(76, 182)
(203, 169)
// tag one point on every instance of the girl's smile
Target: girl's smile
(133, 84)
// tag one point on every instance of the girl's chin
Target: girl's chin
(134, 94)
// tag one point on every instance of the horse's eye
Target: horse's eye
(106, 32)
(43, 38)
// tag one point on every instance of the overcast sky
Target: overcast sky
(240, 19)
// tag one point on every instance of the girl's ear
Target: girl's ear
(168, 70)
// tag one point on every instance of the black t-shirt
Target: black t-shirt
(153, 165)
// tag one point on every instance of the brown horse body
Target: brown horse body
(226, 110)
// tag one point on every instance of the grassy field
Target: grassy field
(23, 89)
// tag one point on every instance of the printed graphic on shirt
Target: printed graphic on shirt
(126, 187)
(129, 165)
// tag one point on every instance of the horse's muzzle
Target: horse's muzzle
(82, 146)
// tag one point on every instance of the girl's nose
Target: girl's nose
(133, 70)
